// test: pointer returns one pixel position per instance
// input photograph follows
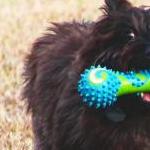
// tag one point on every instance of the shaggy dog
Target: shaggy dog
(120, 40)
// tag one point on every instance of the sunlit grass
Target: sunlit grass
(21, 21)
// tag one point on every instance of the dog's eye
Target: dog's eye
(132, 35)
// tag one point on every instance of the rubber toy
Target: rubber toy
(100, 87)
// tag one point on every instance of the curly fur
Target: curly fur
(52, 70)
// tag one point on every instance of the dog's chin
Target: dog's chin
(132, 108)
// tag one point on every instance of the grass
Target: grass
(21, 22)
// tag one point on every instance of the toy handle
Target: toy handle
(139, 83)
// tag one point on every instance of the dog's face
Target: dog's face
(122, 39)
(126, 32)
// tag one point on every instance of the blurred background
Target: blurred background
(21, 21)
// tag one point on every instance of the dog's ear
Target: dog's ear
(116, 5)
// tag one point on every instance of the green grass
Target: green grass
(21, 21)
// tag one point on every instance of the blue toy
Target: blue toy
(100, 87)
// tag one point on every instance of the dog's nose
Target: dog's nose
(115, 114)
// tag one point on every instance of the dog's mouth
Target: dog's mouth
(145, 97)
(121, 111)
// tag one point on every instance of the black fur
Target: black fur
(119, 40)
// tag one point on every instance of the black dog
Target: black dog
(120, 40)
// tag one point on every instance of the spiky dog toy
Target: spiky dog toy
(100, 87)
